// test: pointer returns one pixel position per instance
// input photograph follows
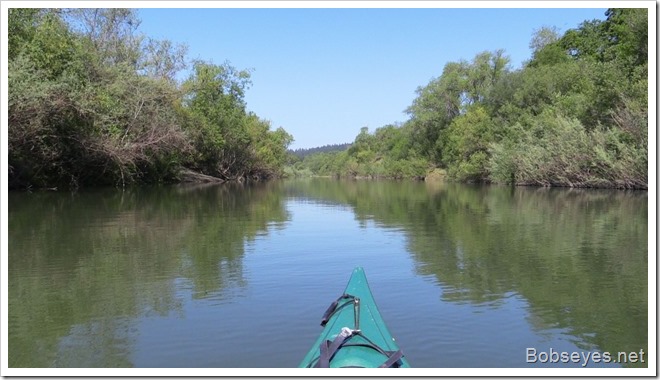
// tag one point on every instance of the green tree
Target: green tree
(268, 148)
(545, 47)
(588, 41)
(435, 106)
(467, 145)
(93, 101)
(21, 27)
(564, 119)
(461, 85)
(627, 30)
(214, 113)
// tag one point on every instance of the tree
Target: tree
(214, 111)
(461, 86)
(435, 106)
(112, 32)
(21, 27)
(545, 47)
(582, 92)
(627, 29)
(588, 41)
(467, 145)
(543, 37)
(268, 149)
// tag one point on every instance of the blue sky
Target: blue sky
(322, 74)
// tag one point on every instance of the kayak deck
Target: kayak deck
(355, 334)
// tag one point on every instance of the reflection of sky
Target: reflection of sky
(494, 335)
(289, 284)
(88, 290)
(291, 275)
(188, 339)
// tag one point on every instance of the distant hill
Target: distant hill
(302, 153)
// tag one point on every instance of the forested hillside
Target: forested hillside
(94, 102)
(302, 152)
(575, 114)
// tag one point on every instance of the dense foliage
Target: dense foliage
(304, 152)
(92, 101)
(385, 153)
(575, 114)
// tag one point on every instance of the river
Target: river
(238, 275)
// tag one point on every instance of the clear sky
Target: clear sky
(322, 74)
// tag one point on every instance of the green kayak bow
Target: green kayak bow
(354, 333)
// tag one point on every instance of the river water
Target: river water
(239, 275)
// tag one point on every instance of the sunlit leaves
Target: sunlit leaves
(93, 101)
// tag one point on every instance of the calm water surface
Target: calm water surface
(239, 275)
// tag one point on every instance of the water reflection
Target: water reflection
(82, 266)
(578, 257)
(95, 278)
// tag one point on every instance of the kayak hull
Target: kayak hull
(358, 350)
